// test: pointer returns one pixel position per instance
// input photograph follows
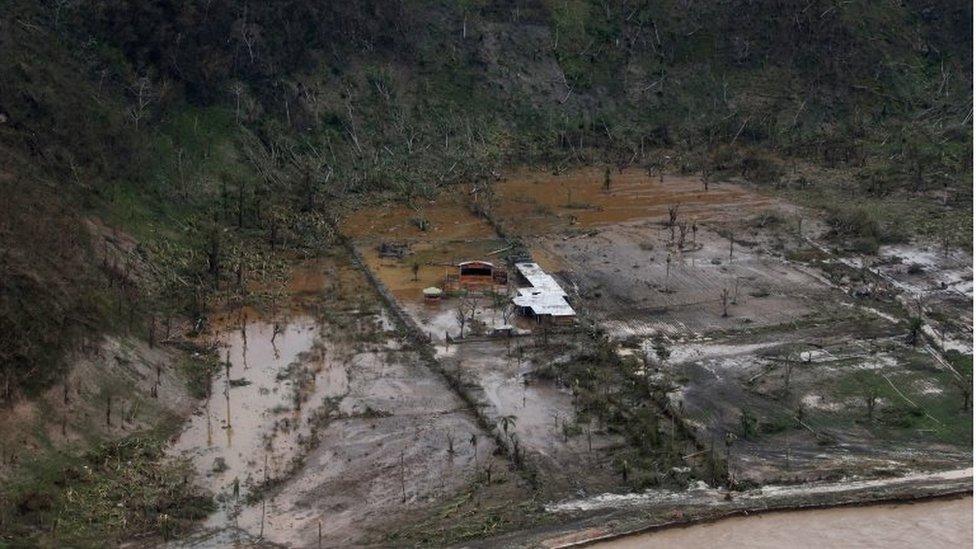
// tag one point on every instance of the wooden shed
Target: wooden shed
(480, 274)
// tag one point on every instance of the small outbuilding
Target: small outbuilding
(480, 274)
(433, 294)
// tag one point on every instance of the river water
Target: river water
(932, 524)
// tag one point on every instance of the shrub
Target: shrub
(853, 222)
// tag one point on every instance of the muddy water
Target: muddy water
(397, 441)
(931, 524)
(258, 416)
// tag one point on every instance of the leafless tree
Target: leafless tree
(237, 90)
(403, 480)
(965, 385)
(143, 95)
(672, 218)
(464, 310)
(787, 375)
(667, 271)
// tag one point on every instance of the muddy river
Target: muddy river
(932, 524)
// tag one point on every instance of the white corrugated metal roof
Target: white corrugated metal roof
(545, 297)
(538, 278)
(545, 304)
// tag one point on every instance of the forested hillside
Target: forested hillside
(199, 136)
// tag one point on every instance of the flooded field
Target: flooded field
(322, 428)
(397, 441)
(434, 260)
(638, 284)
(254, 425)
(663, 259)
(717, 348)
(571, 454)
(936, 524)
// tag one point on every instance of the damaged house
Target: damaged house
(544, 299)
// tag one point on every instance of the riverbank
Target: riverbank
(933, 523)
(612, 517)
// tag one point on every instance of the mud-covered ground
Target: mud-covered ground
(393, 442)
(796, 375)
(322, 423)
(726, 353)
(784, 357)
(795, 365)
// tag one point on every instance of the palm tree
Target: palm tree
(507, 422)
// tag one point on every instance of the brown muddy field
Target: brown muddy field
(532, 202)
(635, 284)
(641, 278)
(766, 354)
(448, 218)
(323, 424)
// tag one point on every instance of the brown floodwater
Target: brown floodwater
(933, 524)
(276, 375)
(531, 201)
